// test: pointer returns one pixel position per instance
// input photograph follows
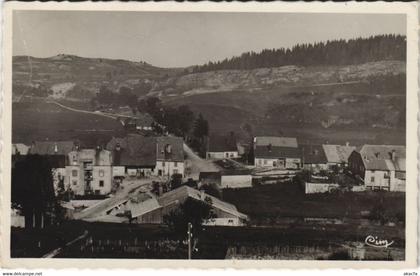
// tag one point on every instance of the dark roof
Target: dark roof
(274, 141)
(277, 152)
(52, 147)
(135, 150)
(209, 175)
(182, 193)
(314, 154)
(170, 148)
(219, 143)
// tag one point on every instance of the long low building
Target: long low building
(227, 179)
(149, 209)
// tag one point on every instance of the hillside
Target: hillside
(270, 78)
(69, 76)
(334, 103)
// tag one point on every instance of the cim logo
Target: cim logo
(376, 242)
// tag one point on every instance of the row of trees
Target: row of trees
(180, 121)
(335, 52)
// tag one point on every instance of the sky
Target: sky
(178, 39)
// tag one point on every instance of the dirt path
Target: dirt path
(99, 113)
(194, 164)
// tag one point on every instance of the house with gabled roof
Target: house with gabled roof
(314, 158)
(380, 167)
(169, 156)
(138, 155)
(220, 147)
(134, 155)
(277, 152)
(337, 155)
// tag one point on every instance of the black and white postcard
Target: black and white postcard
(211, 135)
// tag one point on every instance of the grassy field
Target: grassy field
(39, 120)
(267, 203)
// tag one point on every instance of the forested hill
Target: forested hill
(335, 52)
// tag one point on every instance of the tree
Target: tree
(33, 189)
(191, 211)
(201, 127)
(105, 96)
(211, 189)
(185, 118)
(127, 97)
(176, 181)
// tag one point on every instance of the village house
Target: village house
(136, 155)
(19, 152)
(137, 123)
(337, 155)
(314, 158)
(220, 147)
(169, 156)
(89, 171)
(277, 152)
(379, 167)
(20, 149)
(57, 154)
(133, 155)
(227, 179)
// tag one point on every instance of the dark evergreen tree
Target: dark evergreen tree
(335, 52)
(32, 189)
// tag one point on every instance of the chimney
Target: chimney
(393, 155)
(55, 148)
(347, 144)
(168, 148)
(377, 154)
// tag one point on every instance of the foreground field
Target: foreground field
(108, 240)
(270, 204)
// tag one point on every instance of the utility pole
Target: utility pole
(189, 237)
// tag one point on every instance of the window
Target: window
(259, 161)
(175, 164)
(74, 173)
(227, 154)
(175, 171)
(101, 173)
(265, 162)
(74, 182)
(372, 179)
(101, 183)
(163, 163)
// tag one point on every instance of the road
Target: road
(99, 113)
(194, 164)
